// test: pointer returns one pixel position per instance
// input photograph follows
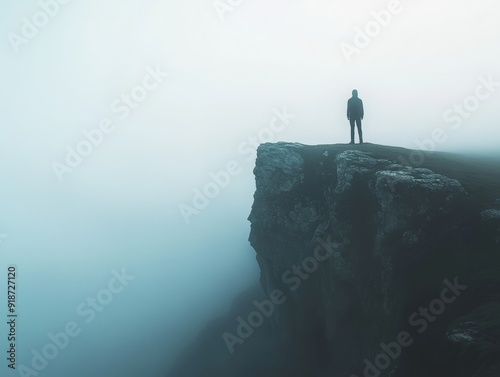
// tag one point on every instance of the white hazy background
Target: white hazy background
(119, 208)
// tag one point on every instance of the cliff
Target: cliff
(371, 266)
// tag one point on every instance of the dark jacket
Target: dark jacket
(355, 108)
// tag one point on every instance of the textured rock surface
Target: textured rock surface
(399, 232)
(363, 245)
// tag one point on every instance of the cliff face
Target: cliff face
(369, 266)
(368, 252)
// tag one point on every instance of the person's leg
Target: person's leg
(360, 132)
(352, 130)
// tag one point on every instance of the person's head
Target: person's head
(354, 93)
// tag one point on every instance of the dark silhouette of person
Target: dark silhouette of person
(355, 113)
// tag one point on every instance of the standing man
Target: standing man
(355, 113)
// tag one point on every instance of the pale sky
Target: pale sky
(227, 76)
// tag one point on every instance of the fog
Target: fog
(231, 70)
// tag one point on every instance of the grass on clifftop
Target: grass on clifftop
(479, 175)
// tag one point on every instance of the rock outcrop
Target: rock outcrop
(382, 268)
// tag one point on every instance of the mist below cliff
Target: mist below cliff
(66, 253)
